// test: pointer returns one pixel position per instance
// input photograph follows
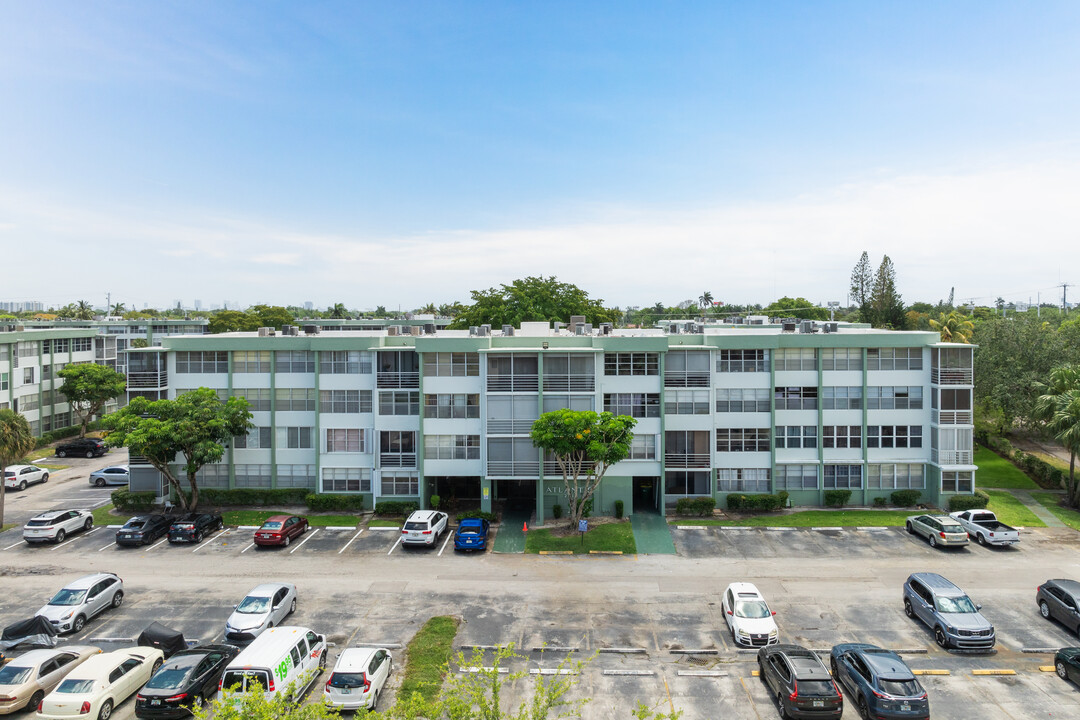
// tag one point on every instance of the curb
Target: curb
(993, 671)
(624, 651)
(605, 552)
(339, 527)
(556, 552)
(246, 527)
(694, 652)
(554, 648)
(702, 673)
(635, 673)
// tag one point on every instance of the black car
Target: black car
(142, 530)
(193, 526)
(184, 681)
(87, 447)
(1060, 600)
(800, 683)
(1067, 664)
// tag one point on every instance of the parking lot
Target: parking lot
(653, 622)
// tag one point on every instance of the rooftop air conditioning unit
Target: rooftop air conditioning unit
(787, 326)
(605, 328)
(429, 328)
(392, 330)
(508, 330)
(806, 326)
(474, 330)
(484, 330)
(577, 319)
(588, 328)
(311, 329)
(416, 330)
(559, 326)
(832, 327)
(827, 327)
(579, 328)
(266, 332)
(699, 328)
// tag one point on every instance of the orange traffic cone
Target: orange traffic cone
(525, 527)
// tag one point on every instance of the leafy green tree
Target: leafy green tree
(797, 307)
(139, 343)
(87, 387)
(451, 310)
(380, 312)
(16, 440)
(428, 309)
(256, 705)
(705, 300)
(118, 309)
(196, 425)
(585, 444)
(271, 316)
(1058, 408)
(232, 321)
(887, 307)
(532, 299)
(338, 311)
(84, 311)
(953, 327)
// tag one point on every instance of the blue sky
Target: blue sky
(404, 153)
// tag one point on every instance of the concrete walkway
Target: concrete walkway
(652, 534)
(1038, 508)
(511, 536)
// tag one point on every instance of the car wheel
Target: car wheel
(908, 610)
(864, 712)
(157, 664)
(118, 599)
(60, 535)
(833, 668)
(287, 541)
(292, 608)
(198, 536)
(61, 453)
(100, 482)
(88, 524)
(1062, 671)
(35, 700)
(375, 701)
(80, 620)
(940, 639)
(45, 478)
(197, 701)
(982, 539)
(780, 704)
(89, 453)
(106, 710)
(22, 485)
(911, 530)
(930, 539)
(220, 525)
(1044, 610)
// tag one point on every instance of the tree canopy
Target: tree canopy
(532, 299)
(88, 386)
(585, 444)
(256, 317)
(196, 425)
(16, 440)
(1058, 408)
(796, 307)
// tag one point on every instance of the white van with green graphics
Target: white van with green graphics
(277, 659)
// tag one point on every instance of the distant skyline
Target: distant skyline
(396, 154)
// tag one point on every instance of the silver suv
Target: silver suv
(82, 599)
(948, 611)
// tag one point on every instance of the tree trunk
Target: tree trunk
(194, 492)
(3, 492)
(1072, 497)
(85, 421)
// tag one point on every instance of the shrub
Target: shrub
(969, 502)
(435, 502)
(905, 498)
(254, 496)
(880, 502)
(783, 495)
(480, 514)
(586, 508)
(321, 503)
(395, 508)
(556, 511)
(837, 498)
(695, 506)
(618, 509)
(133, 501)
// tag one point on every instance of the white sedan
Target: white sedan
(95, 688)
(56, 525)
(17, 477)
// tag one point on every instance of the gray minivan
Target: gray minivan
(948, 611)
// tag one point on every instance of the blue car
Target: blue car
(878, 682)
(471, 534)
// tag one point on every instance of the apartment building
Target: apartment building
(404, 414)
(30, 362)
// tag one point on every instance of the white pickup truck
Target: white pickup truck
(983, 525)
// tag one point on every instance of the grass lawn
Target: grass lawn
(426, 657)
(103, 518)
(1011, 511)
(607, 537)
(39, 454)
(1066, 515)
(997, 472)
(380, 522)
(258, 517)
(8, 526)
(814, 518)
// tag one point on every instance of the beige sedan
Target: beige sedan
(26, 680)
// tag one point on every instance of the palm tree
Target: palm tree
(338, 311)
(118, 309)
(84, 311)
(705, 300)
(953, 327)
(1058, 407)
(16, 440)
(428, 309)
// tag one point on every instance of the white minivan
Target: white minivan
(279, 657)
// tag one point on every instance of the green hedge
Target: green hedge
(133, 501)
(321, 503)
(254, 496)
(63, 433)
(837, 498)
(969, 502)
(695, 506)
(396, 508)
(1038, 469)
(738, 502)
(480, 514)
(905, 498)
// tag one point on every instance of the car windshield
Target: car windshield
(253, 605)
(71, 685)
(169, 678)
(68, 596)
(751, 609)
(346, 680)
(275, 525)
(414, 525)
(960, 604)
(820, 688)
(39, 523)
(900, 688)
(13, 675)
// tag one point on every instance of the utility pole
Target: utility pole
(1064, 294)
(108, 303)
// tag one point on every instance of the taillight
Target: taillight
(140, 696)
(85, 708)
(176, 698)
(404, 532)
(426, 532)
(221, 683)
(794, 692)
(367, 683)
(837, 688)
(271, 688)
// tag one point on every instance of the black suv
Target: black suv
(89, 447)
(800, 682)
(193, 526)
(1060, 600)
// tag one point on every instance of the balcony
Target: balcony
(401, 460)
(513, 468)
(569, 383)
(687, 378)
(151, 380)
(952, 417)
(510, 427)
(952, 457)
(398, 380)
(513, 383)
(950, 376)
(686, 460)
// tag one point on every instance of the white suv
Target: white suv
(748, 616)
(423, 527)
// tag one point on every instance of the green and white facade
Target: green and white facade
(405, 414)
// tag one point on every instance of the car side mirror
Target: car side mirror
(978, 607)
(235, 606)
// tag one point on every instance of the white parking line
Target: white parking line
(211, 540)
(247, 548)
(396, 543)
(91, 531)
(157, 543)
(310, 535)
(350, 540)
(448, 536)
(108, 546)
(11, 546)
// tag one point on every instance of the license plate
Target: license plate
(905, 706)
(346, 691)
(819, 703)
(155, 702)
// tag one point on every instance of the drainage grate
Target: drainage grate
(700, 662)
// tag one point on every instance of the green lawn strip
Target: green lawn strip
(258, 517)
(379, 522)
(52, 466)
(426, 658)
(814, 518)
(103, 517)
(38, 454)
(1051, 501)
(1011, 511)
(609, 537)
(997, 472)
(6, 527)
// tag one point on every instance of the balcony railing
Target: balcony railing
(457, 412)
(551, 467)
(686, 460)
(569, 383)
(405, 460)
(145, 380)
(394, 380)
(513, 383)
(952, 417)
(513, 468)
(686, 378)
(952, 457)
(950, 376)
(510, 427)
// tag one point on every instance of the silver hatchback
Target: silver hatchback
(938, 530)
(82, 599)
